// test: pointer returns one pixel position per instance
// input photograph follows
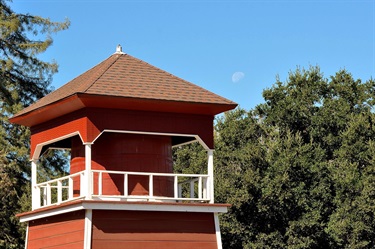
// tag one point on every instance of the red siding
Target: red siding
(91, 121)
(59, 127)
(141, 229)
(60, 231)
(161, 122)
(126, 152)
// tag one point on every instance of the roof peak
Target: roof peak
(119, 49)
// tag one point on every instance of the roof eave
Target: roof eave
(48, 112)
(157, 105)
(82, 100)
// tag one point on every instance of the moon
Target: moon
(237, 76)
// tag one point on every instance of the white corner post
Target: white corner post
(27, 234)
(88, 229)
(88, 178)
(217, 231)
(210, 171)
(35, 192)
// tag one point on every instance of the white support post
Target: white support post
(217, 231)
(88, 177)
(210, 171)
(27, 234)
(88, 229)
(35, 191)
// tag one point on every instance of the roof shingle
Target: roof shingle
(122, 75)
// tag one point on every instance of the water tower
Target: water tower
(120, 121)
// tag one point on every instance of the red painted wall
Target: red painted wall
(151, 122)
(141, 229)
(57, 232)
(91, 121)
(127, 152)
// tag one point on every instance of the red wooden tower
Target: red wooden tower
(120, 121)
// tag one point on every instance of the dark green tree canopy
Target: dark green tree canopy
(299, 168)
(24, 78)
(22, 38)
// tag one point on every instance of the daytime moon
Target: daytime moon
(237, 76)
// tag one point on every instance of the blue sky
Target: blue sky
(233, 48)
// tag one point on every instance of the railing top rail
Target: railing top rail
(151, 197)
(121, 172)
(59, 179)
(149, 173)
(44, 186)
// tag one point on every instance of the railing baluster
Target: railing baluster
(45, 196)
(59, 191)
(179, 191)
(126, 190)
(176, 188)
(205, 188)
(37, 193)
(48, 194)
(192, 194)
(151, 186)
(100, 183)
(91, 186)
(82, 186)
(200, 188)
(70, 189)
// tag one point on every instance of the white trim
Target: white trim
(38, 147)
(35, 192)
(130, 206)
(186, 143)
(88, 229)
(210, 171)
(147, 198)
(217, 231)
(52, 212)
(155, 133)
(57, 148)
(88, 178)
(27, 235)
(155, 207)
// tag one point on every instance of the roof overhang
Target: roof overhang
(82, 100)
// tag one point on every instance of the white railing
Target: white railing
(186, 188)
(56, 191)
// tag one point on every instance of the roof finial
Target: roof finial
(119, 49)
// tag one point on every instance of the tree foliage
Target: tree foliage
(23, 79)
(299, 169)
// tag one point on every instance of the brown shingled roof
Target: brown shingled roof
(124, 76)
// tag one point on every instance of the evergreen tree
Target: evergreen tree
(299, 168)
(239, 168)
(23, 79)
(334, 118)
